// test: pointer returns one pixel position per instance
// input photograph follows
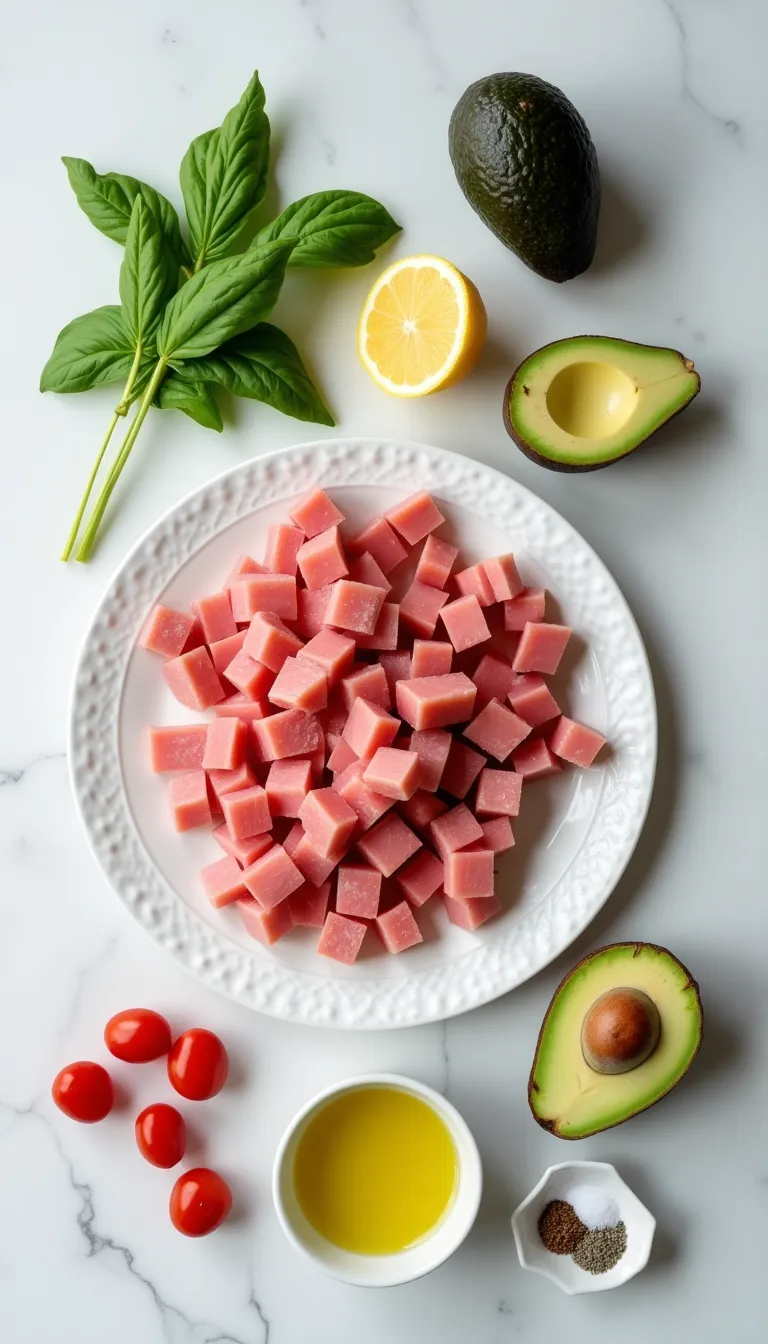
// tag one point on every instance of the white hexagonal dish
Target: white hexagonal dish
(557, 1183)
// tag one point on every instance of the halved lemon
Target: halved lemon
(422, 327)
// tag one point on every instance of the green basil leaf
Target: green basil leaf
(224, 176)
(265, 365)
(221, 301)
(94, 349)
(333, 228)
(195, 399)
(107, 200)
(147, 275)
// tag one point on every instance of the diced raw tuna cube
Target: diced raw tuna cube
(501, 572)
(431, 658)
(420, 877)
(222, 651)
(461, 769)
(270, 642)
(397, 667)
(311, 605)
(365, 570)
(394, 773)
(272, 878)
(266, 925)
(283, 545)
(166, 631)
(367, 683)
(436, 562)
(188, 797)
(225, 744)
(541, 647)
(388, 845)
(454, 830)
(192, 679)
(328, 821)
(246, 812)
(368, 728)
(245, 851)
(474, 580)
(493, 678)
(465, 623)
(331, 651)
(497, 834)
(180, 748)
(420, 608)
(531, 698)
(300, 685)
(314, 866)
(385, 636)
(471, 914)
(230, 781)
(398, 929)
(341, 938)
(354, 606)
(245, 565)
(415, 517)
(468, 873)
(240, 707)
(436, 702)
(288, 784)
(498, 793)
(497, 730)
(322, 560)
(432, 748)
(534, 760)
(422, 809)
(223, 881)
(527, 606)
(341, 756)
(358, 888)
(309, 905)
(289, 733)
(275, 593)
(575, 742)
(250, 677)
(381, 542)
(369, 806)
(215, 615)
(315, 512)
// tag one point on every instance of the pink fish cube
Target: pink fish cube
(230, 781)
(322, 560)
(471, 914)
(267, 926)
(367, 683)
(431, 747)
(253, 679)
(270, 642)
(315, 512)
(497, 730)
(288, 784)
(341, 938)
(215, 615)
(397, 667)
(354, 606)
(300, 685)
(501, 572)
(311, 604)
(368, 728)
(188, 797)
(575, 742)
(365, 570)
(192, 679)
(436, 562)
(245, 851)
(461, 769)
(309, 905)
(289, 733)
(498, 793)
(275, 593)
(468, 873)
(177, 748)
(166, 631)
(341, 756)
(415, 517)
(527, 606)
(541, 647)
(381, 542)
(388, 845)
(246, 812)
(436, 702)
(534, 760)
(531, 698)
(225, 744)
(497, 834)
(392, 772)
(420, 877)
(398, 929)
(465, 623)
(493, 678)
(313, 865)
(283, 545)
(358, 888)
(431, 658)
(385, 636)
(272, 878)
(331, 651)
(474, 580)
(240, 707)
(328, 821)
(222, 651)
(454, 830)
(223, 881)
(422, 809)
(368, 806)
(420, 608)
(245, 565)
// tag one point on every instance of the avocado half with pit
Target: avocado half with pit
(623, 1028)
(584, 402)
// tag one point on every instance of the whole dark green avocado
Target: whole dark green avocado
(526, 163)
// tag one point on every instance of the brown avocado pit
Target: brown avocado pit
(620, 1031)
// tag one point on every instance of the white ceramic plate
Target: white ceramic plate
(575, 833)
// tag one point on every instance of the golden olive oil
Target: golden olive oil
(375, 1170)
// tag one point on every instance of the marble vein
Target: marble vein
(728, 124)
(10, 776)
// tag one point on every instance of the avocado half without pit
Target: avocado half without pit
(582, 403)
(623, 1028)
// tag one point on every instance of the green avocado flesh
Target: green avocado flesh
(584, 402)
(566, 1096)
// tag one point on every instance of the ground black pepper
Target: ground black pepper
(601, 1249)
(560, 1229)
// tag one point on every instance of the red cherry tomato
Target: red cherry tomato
(198, 1064)
(200, 1201)
(137, 1035)
(83, 1091)
(161, 1134)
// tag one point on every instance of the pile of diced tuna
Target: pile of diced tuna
(337, 771)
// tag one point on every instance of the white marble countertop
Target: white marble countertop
(360, 95)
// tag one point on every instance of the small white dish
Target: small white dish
(381, 1271)
(557, 1183)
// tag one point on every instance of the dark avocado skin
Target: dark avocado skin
(526, 163)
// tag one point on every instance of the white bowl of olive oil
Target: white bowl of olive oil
(377, 1180)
